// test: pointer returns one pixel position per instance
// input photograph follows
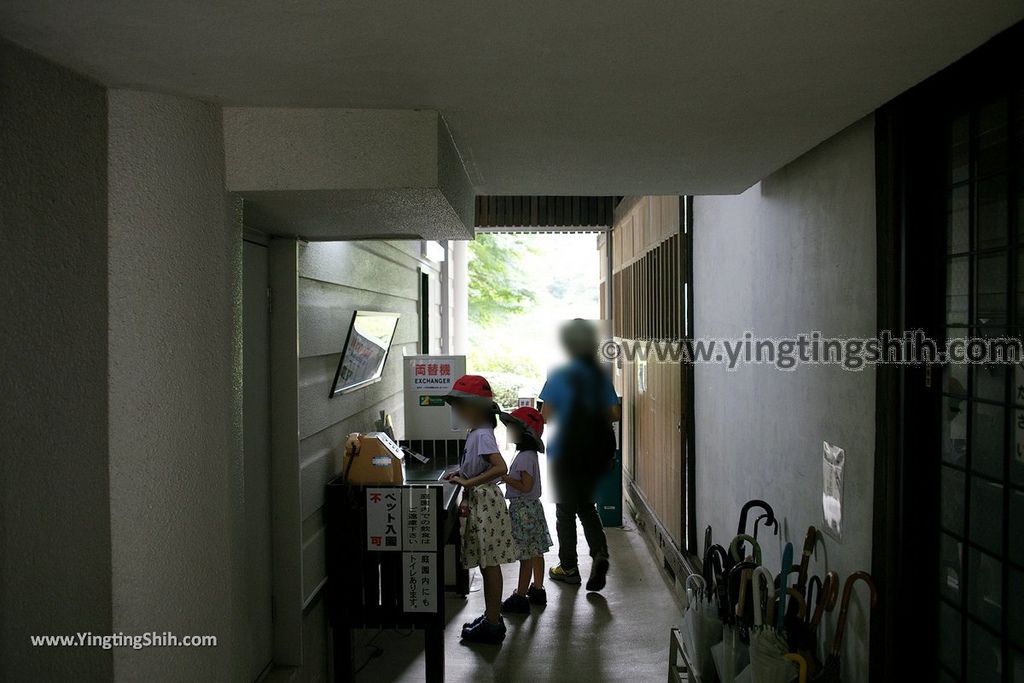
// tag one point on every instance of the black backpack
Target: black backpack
(586, 436)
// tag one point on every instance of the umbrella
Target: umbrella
(828, 593)
(787, 569)
(768, 646)
(717, 563)
(801, 664)
(764, 640)
(769, 522)
(737, 547)
(701, 626)
(741, 528)
(830, 672)
(805, 559)
(733, 654)
(803, 632)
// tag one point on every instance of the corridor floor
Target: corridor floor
(619, 634)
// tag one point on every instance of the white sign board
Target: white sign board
(419, 519)
(427, 379)
(384, 519)
(419, 582)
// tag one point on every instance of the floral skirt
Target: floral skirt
(486, 530)
(529, 528)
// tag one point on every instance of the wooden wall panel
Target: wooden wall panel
(647, 271)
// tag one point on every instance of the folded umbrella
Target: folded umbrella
(767, 646)
(801, 665)
(787, 569)
(828, 593)
(830, 673)
(701, 627)
(821, 598)
(717, 564)
(737, 548)
(732, 655)
(810, 538)
(768, 516)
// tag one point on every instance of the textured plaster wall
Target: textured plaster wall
(176, 514)
(795, 253)
(54, 531)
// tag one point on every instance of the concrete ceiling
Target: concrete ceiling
(598, 98)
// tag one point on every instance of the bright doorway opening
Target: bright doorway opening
(522, 287)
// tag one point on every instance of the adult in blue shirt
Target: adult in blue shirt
(580, 399)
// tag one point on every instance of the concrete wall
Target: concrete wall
(176, 515)
(54, 534)
(794, 253)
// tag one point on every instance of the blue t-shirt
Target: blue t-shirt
(480, 443)
(525, 461)
(598, 393)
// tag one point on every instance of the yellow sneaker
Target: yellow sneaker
(565, 575)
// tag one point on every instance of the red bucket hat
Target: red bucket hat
(529, 419)
(472, 388)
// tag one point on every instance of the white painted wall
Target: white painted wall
(54, 534)
(176, 515)
(794, 253)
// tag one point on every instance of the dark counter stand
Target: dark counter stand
(364, 587)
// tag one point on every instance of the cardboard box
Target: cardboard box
(379, 462)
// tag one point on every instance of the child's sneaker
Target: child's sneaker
(571, 576)
(470, 624)
(485, 632)
(538, 596)
(516, 604)
(598, 573)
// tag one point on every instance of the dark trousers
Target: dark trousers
(575, 498)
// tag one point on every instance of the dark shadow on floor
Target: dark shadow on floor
(620, 634)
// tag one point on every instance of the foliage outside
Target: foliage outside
(521, 289)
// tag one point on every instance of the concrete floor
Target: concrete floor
(620, 634)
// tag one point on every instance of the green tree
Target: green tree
(496, 284)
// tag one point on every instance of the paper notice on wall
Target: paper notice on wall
(419, 519)
(832, 462)
(419, 584)
(384, 519)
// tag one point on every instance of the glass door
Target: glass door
(980, 578)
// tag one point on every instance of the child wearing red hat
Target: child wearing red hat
(529, 527)
(486, 529)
